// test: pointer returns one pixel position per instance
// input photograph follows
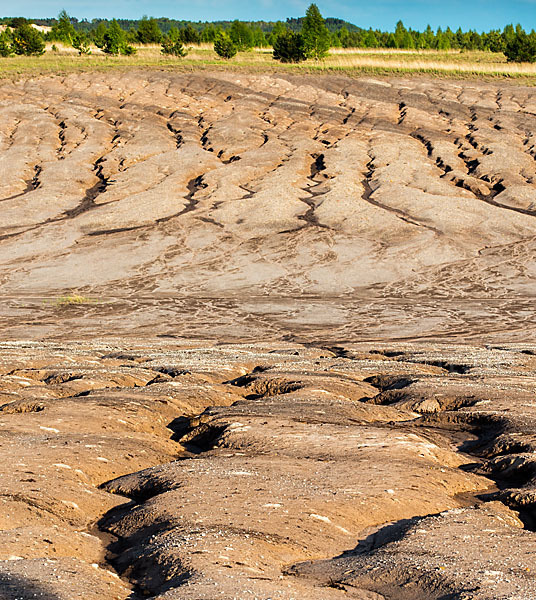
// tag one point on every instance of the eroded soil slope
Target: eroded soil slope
(312, 206)
(267, 471)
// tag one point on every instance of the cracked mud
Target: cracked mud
(306, 366)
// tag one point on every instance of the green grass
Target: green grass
(376, 62)
(73, 299)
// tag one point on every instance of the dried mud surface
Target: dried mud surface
(305, 368)
(267, 471)
(236, 205)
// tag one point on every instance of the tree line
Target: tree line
(296, 39)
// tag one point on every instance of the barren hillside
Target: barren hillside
(181, 200)
(267, 337)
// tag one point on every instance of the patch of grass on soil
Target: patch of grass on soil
(350, 61)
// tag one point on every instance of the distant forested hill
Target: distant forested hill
(166, 24)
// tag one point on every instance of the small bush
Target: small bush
(172, 44)
(128, 50)
(81, 43)
(5, 45)
(224, 46)
(289, 47)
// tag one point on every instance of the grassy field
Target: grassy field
(380, 61)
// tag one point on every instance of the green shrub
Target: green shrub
(81, 43)
(73, 299)
(224, 46)
(114, 41)
(172, 44)
(5, 45)
(289, 47)
(28, 41)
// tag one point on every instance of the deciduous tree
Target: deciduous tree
(241, 35)
(81, 43)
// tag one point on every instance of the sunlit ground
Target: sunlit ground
(380, 61)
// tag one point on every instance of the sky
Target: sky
(481, 15)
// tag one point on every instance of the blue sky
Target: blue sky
(475, 14)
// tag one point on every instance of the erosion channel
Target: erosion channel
(267, 336)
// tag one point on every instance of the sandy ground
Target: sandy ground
(235, 205)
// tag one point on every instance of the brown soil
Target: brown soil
(298, 360)
(271, 470)
(236, 206)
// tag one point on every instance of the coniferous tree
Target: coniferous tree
(390, 41)
(189, 35)
(400, 34)
(81, 43)
(315, 34)
(172, 44)
(16, 22)
(429, 37)
(259, 39)
(28, 41)
(344, 37)
(494, 41)
(224, 46)
(208, 34)
(98, 34)
(115, 41)
(442, 41)
(289, 47)
(241, 35)
(407, 41)
(63, 30)
(521, 47)
(148, 31)
(5, 45)
(277, 30)
(370, 41)
(508, 34)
